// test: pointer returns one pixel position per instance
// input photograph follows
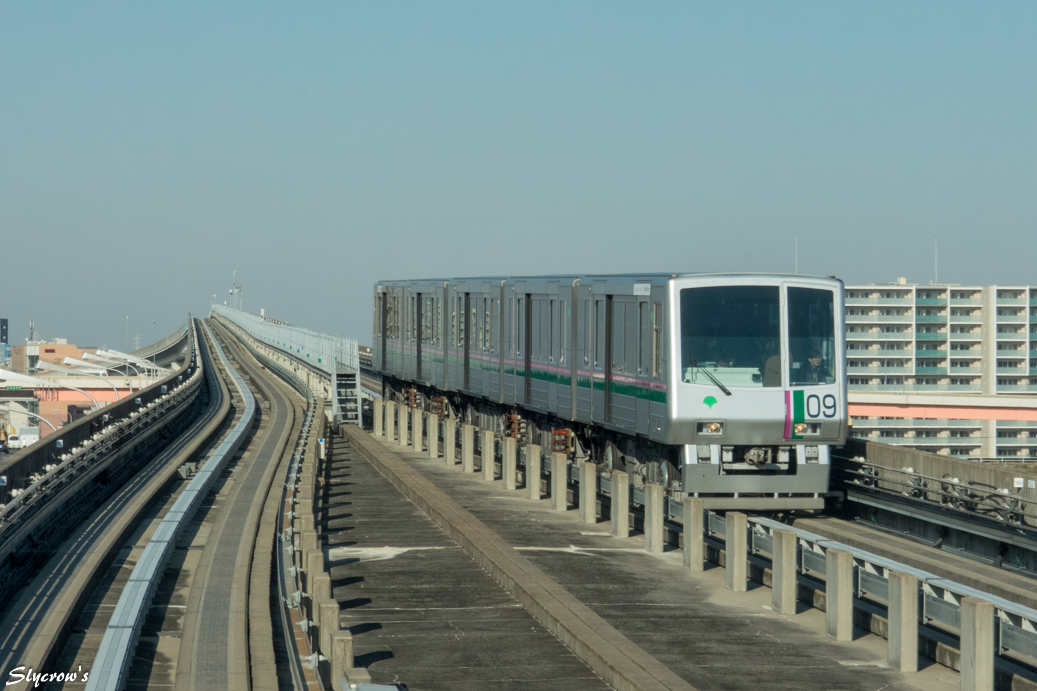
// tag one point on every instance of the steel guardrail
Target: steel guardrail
(112, 661)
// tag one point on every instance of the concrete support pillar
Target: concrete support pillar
(839, 594)
(533, 472)
(341, 655)
(783, 572)
(321, 587)
(588, 493)
(903, 622)
(654, 510)
(432, 424)
(488, 452)
(328, 624)
(620, 509)
(314, 565)
(304, 507)
(507, 466)
(404, 417)
(693, 534)
(390, 420)
(449, 441)
(378, 407)
(467, 448)
(977, 644)
(306, 522)
(307, 543)
(416, 418)
(559, 482)
(734, 551)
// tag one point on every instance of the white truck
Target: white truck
(27, 436)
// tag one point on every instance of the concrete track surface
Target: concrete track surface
(649, 622)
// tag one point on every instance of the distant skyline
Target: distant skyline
(147, 151)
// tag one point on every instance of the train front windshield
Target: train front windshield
(732, 335)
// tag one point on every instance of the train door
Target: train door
(610, 349)
(583, 340)
(419, 334)
(527, 348)
(466, 317)
(600, 352)
(383, 319)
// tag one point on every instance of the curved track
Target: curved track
(36, 623)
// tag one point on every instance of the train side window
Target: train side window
(599, 334)
(551, 331)
(657, 338)
(618, 329)
(585, 329)
(488, 335)
(495, 331)
(645, 330)
(561, 331)
(520, 326)
(460, 323)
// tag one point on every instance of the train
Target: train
(730, 387)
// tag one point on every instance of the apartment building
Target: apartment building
(944, 350)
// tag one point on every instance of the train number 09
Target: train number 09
(818, 406)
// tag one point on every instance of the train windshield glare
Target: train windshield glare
(733, 333)
(811, 336)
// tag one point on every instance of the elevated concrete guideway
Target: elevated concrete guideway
(665, 627)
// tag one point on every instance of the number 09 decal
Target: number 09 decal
(817, 406)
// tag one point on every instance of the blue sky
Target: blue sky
(147, 150)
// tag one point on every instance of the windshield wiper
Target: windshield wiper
(695, 363)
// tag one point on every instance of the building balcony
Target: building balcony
(921, 423)
(1011, 301)
(966, 319)
(931, 353)
(1013, 354)
(901, 318)
(939, 302)
(955, 371)
(955, 336)
(965, 302)
(930, 370)
(923, 336)
(878, 337)
(975, 388)
(1006, 318)
(931, 318)
(1020, 388)
(878, 301)
(877, 371)
(1016, 441)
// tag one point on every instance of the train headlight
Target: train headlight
(714, 429)
(809, 429)
(801, 427)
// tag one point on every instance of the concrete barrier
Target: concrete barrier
(902, 634)
(559, 482)
(734, 536)
(785, 573)
(977, 644)
(533, 472)
(378, 408)
(467, 448)
(487, 453)
(839, 594)
(693, 534)
(390, 421)
(327, 623)
(588, 493)
(404, 417)
(509, 447)
(449, 441)
(432, 425)
(619, 509)
(654, 518)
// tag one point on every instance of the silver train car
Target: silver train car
(729, 387)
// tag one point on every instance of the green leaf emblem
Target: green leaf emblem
(710, 401)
